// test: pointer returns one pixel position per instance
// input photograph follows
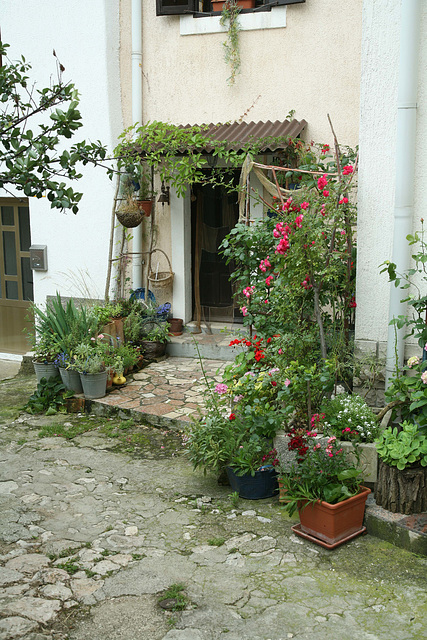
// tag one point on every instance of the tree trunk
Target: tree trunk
(401, 491)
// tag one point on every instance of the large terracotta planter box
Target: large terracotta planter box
(333, 523)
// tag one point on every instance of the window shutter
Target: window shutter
(175, 7)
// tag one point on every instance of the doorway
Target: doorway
(214, 212)
(16, 276)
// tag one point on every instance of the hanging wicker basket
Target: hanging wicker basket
(130, 219)
(161, 279)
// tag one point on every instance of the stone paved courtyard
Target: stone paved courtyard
(98, 521)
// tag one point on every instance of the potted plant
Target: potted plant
(154, 341)
(90, 361)
(325, 487)
(251, 469)
(402, 474)
(45, 352)
(69, 375)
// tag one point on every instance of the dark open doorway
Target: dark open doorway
(214, 212)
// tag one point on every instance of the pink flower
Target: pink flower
(343, 201)
(93, 339)
(221, 388)
(244, 310)
(326, 193)
(347, 170)
(238, 398)
(298, 221)
(316, 446)
(413, 361)
(343, 233)
(322, 182)
(247, 291)
(424, 377)
(269, 280)
(286, 382)
(280, 353)
(101, 335)
(305, 205)
(331, 439)
(331, 455)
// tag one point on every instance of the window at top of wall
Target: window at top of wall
(199, 7)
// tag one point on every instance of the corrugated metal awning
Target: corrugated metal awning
(239, 134)
(273, 135)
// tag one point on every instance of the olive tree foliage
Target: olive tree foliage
(34, 125)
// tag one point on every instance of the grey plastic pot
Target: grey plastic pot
(45, 370)
(94, 384)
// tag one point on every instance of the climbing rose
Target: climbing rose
(298, 221)
(322, 182)
(268, 281)
(244, 310)
(326, 193)
(347, 169)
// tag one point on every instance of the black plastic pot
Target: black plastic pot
(262, 485)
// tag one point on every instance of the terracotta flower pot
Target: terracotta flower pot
(217, 5)
(145, 206)
(175, 327)
(332, 524)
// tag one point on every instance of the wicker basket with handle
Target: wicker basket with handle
(161, 279)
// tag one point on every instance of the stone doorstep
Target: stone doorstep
(369, 456)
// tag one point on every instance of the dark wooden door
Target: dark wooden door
(214, 214)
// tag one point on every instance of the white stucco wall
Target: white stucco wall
(85, 36)
(377, 171)
(312, 66)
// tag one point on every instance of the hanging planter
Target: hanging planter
(161, 279)
(129, 214)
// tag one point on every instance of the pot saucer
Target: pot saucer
(297, 529)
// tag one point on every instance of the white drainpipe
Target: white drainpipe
(137, 117)
(405, 167)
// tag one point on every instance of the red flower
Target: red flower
(273, 383)
(232, 416)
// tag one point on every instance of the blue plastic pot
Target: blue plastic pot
(262, 485)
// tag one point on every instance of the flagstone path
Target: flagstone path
(92, 533)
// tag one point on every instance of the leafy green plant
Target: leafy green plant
(157, 333)
(403, 447)
(407, 392)
(234, 498)
(50, 397)
(216, 542)
(34, 125)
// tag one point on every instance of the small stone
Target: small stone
(36, 609)
(131, 531)
(28, 563)
(45, 472)
(58, 591)
(7, 487)
(16, 627)
(122, 481)
(249, 512)
(206, 499)
(261, 519)
(121, 559)
(104, 567)
(85, 587)
(9, 576)
(50, 576)
(231, 516)
(181, 500)
(187, 536)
